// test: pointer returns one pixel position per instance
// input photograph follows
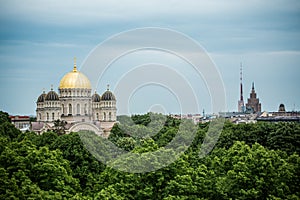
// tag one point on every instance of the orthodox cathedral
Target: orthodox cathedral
(74, 103)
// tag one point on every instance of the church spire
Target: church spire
(75, 67)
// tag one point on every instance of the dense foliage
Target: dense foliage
(249, 161)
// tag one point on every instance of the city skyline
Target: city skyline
(39, 41)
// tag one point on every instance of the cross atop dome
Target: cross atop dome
(75, 67)
(75, 80)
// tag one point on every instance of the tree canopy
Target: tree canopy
(249, 161)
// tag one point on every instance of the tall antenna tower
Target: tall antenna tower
(241, 106)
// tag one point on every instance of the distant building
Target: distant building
(281, 108)
(239, 117)
(248, 113)
(21, 122)
(253, 102)
(196, 118)
(281, 116)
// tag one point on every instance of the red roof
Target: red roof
(20, 117)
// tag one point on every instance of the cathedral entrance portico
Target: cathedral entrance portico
(86, 126)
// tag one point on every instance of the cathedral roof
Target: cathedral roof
(108, 96)
(52, 96)
(75, 79)
(96, 97)
(41, 97)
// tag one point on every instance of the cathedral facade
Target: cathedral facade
(75, 103)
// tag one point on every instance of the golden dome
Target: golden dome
(75, 79)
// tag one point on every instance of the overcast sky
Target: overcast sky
(38, 40)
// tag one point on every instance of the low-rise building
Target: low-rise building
(21, 122)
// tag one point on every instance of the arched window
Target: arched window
(52, 116)
(97, 116)
(63, 108)
(104, 116)
(70, 109)
(78, 109)
(109, 116)
(47, 116)
(40, 116)
(85, 109)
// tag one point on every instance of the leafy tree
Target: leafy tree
(249, 161)
(60, 127)
(127, 143)
(34, 173)
(286, 137)
(81, 161)
(141, 119)
(116, 133)
(32, 119)
(45, 139)
(124, 119)
(4, 117)
(9, 131)
(283, 136)
(253, 173)
(109, 193)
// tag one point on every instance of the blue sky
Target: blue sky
(38, 40)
